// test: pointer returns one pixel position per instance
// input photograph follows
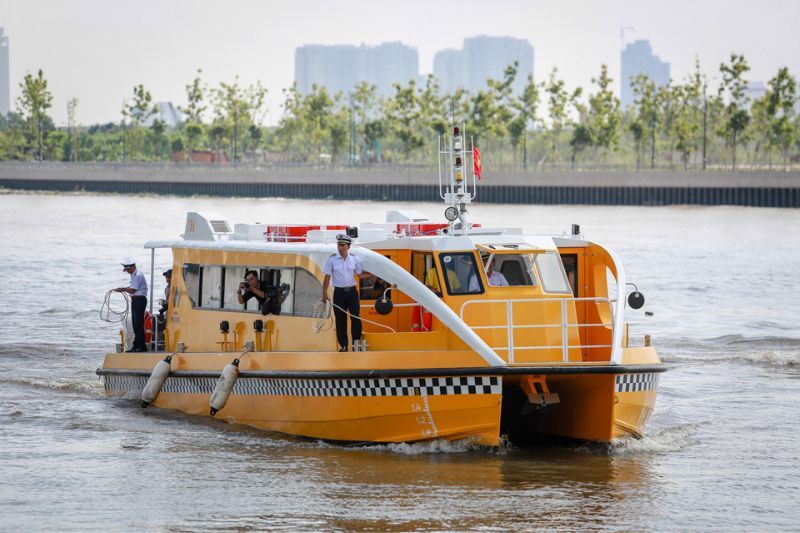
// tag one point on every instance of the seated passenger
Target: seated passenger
(496, 279)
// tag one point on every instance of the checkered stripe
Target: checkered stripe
(444, 386)
(635, 382)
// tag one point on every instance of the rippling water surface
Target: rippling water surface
(721, 453)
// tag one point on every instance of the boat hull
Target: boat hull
(595, 402)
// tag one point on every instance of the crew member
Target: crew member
(343, 266)
(138, 292)
(252, 288)
(162, 313)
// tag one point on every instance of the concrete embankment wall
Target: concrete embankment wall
(599, 188)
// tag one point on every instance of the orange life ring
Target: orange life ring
(421, 319)
(148, 326)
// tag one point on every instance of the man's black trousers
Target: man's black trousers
(346, 298)
(138, 306)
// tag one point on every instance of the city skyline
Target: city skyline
(97, 52)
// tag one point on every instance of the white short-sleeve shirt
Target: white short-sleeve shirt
(342, 270)
(139, 283)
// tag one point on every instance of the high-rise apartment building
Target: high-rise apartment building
(481, 58)
(5, 77)
(341, 67)
(638, 58)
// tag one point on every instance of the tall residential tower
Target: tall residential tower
(638, 58)
(341, 67)
(481, 58)
(5, 77)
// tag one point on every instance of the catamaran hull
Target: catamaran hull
(600, 405)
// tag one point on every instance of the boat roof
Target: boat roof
(407, 230)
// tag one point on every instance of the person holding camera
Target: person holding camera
(251, 287)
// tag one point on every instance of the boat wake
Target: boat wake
(429, 447)
(93, 388)
(668, 440)
(766, 351)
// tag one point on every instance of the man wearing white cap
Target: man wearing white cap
(343, 267)
(138, 292)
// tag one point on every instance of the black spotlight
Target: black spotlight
(224, 327)
(636, 300)
(383, 305)
(258, 325)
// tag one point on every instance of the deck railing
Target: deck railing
(511, 324)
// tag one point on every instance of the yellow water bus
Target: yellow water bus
(470, 332)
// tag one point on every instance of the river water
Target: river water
(721, 452)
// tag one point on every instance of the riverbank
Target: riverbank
(758, 189)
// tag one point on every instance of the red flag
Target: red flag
(476, 162)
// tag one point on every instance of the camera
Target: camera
(244, 285)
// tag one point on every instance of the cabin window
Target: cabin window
(515, 269)
(192, 274)
(423, 267)
(460, 274)
(280, 289)
(552, 274)
(373, 287)
(570, 262)
(211, 287)
(233, 277)
(307, 292)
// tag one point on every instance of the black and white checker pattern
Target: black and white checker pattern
(444, 386)
(635, 382)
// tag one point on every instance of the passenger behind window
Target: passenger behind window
(269, 297)
(496, 279)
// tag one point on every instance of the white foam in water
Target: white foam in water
(428, 447)
(669, 440)
(771, 358)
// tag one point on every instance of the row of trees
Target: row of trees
(686, 123)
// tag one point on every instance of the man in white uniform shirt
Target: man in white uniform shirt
(343, 267)
(138, 293)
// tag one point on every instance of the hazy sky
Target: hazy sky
(97, 50)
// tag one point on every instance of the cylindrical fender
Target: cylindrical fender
(225, 383)
(156, 381)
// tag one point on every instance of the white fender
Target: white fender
(156, 381)
(227, 379)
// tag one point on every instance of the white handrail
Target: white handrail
(563, 325)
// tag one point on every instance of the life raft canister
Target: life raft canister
(421, 319)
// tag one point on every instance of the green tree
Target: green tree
(194, 110)
(688, 114)
(402, 115)
(582, 136)
(732, 89)
(604, 115)
(782, 98)
(526, 116)
(646, 119)
(236, 108)
(558, 98)
(157, 133)
(137, 111)
(364, 101)
(33, 104)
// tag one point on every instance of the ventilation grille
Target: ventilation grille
(220, 226)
